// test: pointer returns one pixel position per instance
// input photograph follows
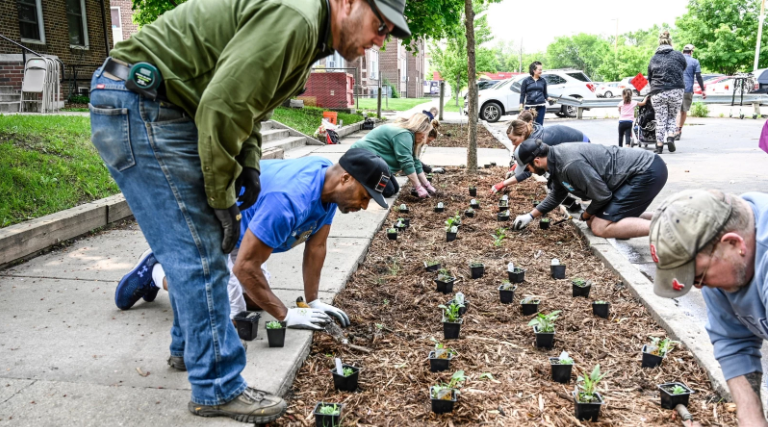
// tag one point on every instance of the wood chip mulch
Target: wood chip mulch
(393, 303)
(457, 136)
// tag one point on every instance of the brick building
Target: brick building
(368, 66)
(77, 32)
(402, 68)
(122, 20)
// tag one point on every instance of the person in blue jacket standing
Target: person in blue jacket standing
(718, 243)
(533, 92)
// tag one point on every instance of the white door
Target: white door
(117, 25)
(555, 85)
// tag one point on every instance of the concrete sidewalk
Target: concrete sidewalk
(71, 358)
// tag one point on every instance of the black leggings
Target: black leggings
(392, 188)
(625, 132)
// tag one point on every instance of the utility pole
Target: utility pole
(378, 98)
(759, 34)
(442, 99)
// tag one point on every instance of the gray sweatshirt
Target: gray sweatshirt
(592, 172)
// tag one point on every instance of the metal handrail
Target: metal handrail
(25, 49)
(749, 98)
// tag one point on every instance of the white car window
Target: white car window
(579, 76)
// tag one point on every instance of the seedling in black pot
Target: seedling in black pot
(328, 414)
(400, 226)
(247, 325)
(601, 309)
(503, 216)
(276, 333)
(444, 395)
(451, 321)
(462, 301)
(530, 305)
(588, 401)
(673, 394)
(504, 197)
(429, 177)
(544, 328)
(507, 292)
(498, 238)
(404, 208)
(440, 358)
(503, 205)
(544, 223)
(474, 204)
(444, 281)
(472, 191)
(556, 269)
(392, 234)
(345, 377)
(515, 274)
(581, 287)
(477, 269)
(440, 207)
(561, 368)
(432, 265)
(450, 233)
(655, 352)
(470, 213)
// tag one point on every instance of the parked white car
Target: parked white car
(725, 86)
(607, 90)
(504, 98)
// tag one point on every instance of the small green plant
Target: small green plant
(392, 231)
(699, 109)
(431, 262)
(545, 220)
(443, 391)
(722, 115)
(506, 285)
(588, 385)
(400, 222)
(545, 322)
(679, 390)
(564, 359)
(503, 203)
(347, 371)
(79, 99)
(441, 351)
(472, 187)
(394, 268)
(385, 302)
(601, 302)
(475, 264)
(451, 312)
(453, 221)
(274, 325)
(529, 300)
(579, 282)
(470, 210)
(486, 376)
(380, 326)
(443, 274)
(329, 409)
(499, 237)
(504, 214)
(660, 347)
(403, 208)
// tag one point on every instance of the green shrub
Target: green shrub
(79, 99)
(395, 93)
(699, 109)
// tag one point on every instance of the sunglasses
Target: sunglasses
(383, 30)
(706, 269)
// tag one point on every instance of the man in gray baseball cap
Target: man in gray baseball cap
(718, 243)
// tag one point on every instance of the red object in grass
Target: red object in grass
(639, 82)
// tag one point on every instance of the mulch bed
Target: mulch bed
(457, 136)
(393, 303)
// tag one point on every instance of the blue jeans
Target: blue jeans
(540, 112)
(150, 148)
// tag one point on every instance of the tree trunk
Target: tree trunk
(472, 88)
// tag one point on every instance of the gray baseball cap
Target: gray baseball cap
(689, 47)
(394, 11)
(682, 226)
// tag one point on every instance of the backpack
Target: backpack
(331, 137)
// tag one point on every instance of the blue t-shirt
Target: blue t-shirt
(737, 322)
(289, 209)
(692, 67)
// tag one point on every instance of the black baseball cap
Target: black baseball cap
(529, 150)
(394, 11)
(370, 170)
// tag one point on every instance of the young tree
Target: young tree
(582, 51)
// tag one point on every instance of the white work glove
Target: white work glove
(332, 311)
(422, 192)
(306, 318)
(522, 221)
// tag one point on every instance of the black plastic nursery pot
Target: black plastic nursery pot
(340, 382)
(391, 236)
(327, 420)
(558, 271)
(487, 165)
(451, 330)
(530, 308)
(544, 339)
(516, 276)
(247, 325)
(469, 214)
(474, 205)
(407, 222)
(445, 286)
(493, 163)
(501, 217)
(276, 337)
(440, 406)
(472, 191)
(536, 203)
(449, 237)
(560, 373)
(439, 209)
(477, 272)
(404, 211)
(588, 411)
(651, 360)
(544, 225)
(506, 296)
(503, 207)
(669, 400)
(601, 310)
(581, 291)
(431, 267)
(437, 364)
(400, 228)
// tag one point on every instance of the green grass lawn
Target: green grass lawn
(450, 105)
(395, 104)
(306, 120)
(47, 165)
(75, 110)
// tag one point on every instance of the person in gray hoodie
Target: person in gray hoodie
(665, 74)
(621, 184)
(718, 243)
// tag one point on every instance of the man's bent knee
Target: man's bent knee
(600, 226)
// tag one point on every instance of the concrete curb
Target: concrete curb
(663, 310)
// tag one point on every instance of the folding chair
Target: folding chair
(35, 82)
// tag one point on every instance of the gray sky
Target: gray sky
(539, 22)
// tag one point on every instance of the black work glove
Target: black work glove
(230, 223)
(248, 179)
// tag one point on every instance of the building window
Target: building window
(31, 21)
(78, 27)
(117, 25)
(373, 73)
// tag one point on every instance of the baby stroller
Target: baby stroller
(644, 127)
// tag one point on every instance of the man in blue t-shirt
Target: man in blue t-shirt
(692, 71)
(718, 243)
(297, 203)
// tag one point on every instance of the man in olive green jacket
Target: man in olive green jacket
(172, 116)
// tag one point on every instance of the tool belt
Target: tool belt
(142, 78)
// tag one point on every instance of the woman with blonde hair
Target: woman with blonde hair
(399, 144)
(665, 75)
(524, 127)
